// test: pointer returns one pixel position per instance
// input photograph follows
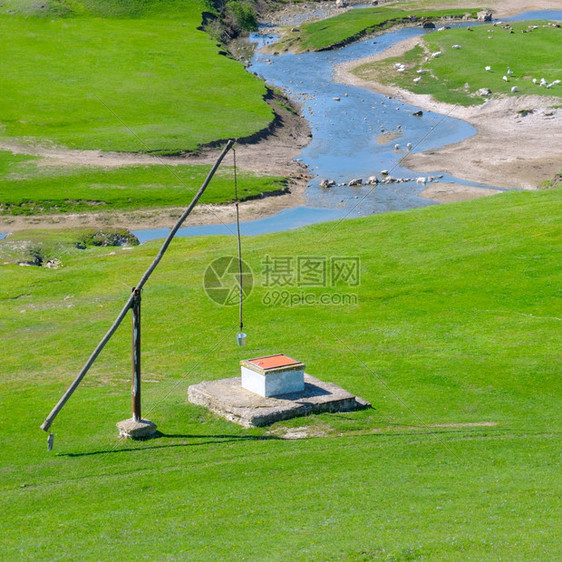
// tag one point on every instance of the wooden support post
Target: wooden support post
(136, 349)
(136, 427)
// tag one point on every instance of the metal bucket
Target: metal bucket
(241, 339)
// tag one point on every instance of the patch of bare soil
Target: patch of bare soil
(519, 140)
(323, 430)
(302, 432)
(453, 192)
(385, 138)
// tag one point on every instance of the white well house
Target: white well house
(272, 375)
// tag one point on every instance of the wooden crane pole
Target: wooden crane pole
(134, 303)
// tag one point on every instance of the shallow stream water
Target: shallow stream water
(344, 138)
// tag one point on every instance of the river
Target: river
(344, 136)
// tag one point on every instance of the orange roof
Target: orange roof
(273, 361)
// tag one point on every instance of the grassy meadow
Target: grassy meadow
(456, 75)
(453, 333)
(457, 322)
(29, 187)
(132, 76)
(354, 24)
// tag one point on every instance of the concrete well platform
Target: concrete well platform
(228, 399)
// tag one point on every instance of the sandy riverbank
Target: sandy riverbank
(454, 192)
(509, 151)
(164, 217)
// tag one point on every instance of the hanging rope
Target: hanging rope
(236, 202)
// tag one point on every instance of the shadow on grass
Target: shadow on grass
(455, 433)
(446, 434)
(210, 440)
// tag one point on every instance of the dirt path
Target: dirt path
(274, 154)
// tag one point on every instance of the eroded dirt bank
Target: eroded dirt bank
(272, 153)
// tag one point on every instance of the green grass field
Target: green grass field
(457, 322)
(354, 24)
(27, 188)
(454, 334)
(458, 74)
(121, 75)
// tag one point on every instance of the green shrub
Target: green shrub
(243, 15)
(37, 255)
(120, 237)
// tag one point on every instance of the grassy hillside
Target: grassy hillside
(354, 24)
(121, 75)
(28, 187)
(458, 74)
(457, 322)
